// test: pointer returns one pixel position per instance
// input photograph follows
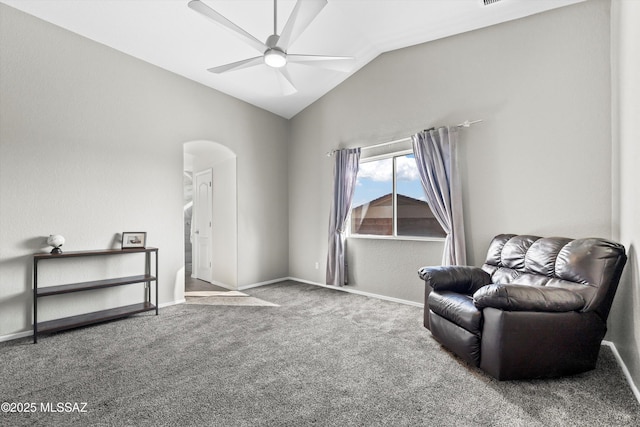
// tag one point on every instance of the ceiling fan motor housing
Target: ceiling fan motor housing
(272, 41)
(274, 56)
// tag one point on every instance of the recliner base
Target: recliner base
(457, 339)
(526, 345)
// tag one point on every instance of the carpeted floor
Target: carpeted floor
(323, 357)
(224, 298)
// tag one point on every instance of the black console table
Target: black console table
(96, 316)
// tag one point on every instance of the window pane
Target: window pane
(372, 208)
(414, 214)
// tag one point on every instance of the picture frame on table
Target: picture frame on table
(134, 239)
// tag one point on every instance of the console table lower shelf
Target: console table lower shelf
(93, 317)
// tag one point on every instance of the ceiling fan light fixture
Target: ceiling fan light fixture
(275, 58)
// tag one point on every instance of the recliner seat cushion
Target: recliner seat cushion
(457, 308)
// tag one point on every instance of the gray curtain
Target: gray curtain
(435, 152)
(344, 183)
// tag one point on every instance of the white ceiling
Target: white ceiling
(170, 35)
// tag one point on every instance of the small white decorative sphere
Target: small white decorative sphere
(55, 240)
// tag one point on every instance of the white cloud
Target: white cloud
(406, 169)
(381, 170)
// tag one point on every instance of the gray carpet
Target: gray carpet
(322, 357)
(228, 300)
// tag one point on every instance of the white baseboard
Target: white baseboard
(355, 291)
(268, 282)
(222, 285)
(170, 303)
(624, 368)
(17, 335)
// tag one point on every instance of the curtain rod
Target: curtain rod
(464, 124)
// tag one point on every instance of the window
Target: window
(389, 200)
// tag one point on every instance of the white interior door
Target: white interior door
(202, 210)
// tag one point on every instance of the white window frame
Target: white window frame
(394, 236)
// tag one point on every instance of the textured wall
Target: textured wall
(540, 162)
(91, 144)
(225, 224)
(624, 321)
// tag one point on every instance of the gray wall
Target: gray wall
(91, 144)
(540, 163)
(624, 324)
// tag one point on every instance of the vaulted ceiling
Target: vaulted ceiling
(170, 35)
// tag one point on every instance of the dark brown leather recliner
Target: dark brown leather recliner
(538, 307)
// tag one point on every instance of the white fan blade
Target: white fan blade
(245, 63)
(304, 12)
(206, 11)
(337, 63)
(288, 88)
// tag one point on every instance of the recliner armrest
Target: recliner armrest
(514, 297)
(455, 278)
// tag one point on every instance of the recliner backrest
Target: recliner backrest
(590, 267)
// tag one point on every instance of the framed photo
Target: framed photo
(134, 239)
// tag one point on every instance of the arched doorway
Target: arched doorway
(211, 237)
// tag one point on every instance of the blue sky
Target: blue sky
(375, 179)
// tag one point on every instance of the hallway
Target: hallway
(191, 284)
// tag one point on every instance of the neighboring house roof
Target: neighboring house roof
(386, 200)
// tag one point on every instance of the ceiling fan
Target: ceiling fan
(274, 49)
